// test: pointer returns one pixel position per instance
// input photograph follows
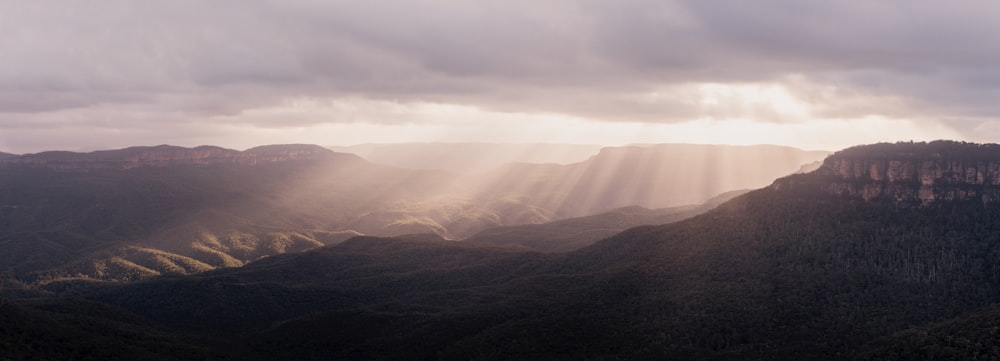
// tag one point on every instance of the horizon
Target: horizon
(79, 77)
(457, 143)
(240, 143)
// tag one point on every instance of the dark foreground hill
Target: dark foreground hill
(804, 269)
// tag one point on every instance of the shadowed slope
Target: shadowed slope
(968, 337)
(574, 233)
(80, 330)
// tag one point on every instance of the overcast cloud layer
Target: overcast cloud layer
(85, 74)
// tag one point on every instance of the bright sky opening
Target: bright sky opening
(823, 75)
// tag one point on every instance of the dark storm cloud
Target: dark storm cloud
(599, 59)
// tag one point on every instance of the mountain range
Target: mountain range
(852, 261)
(812, 266)
(139, 212)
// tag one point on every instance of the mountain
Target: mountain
(139, 212)
(651, 176)
(129, 213)
(797, 270)
(165, 155)
(571, 180)
(469, 158)
(6, 155)
(574, 233)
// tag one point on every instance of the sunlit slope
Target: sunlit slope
(54, 218)
(790, 271)
(651, 176)
(133, 213)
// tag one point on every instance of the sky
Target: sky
(86, 75)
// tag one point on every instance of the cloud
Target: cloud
(131, 64)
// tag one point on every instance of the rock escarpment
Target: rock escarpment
(912, 172)
(166, 155)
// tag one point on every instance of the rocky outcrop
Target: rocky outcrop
(913, 172)
(165, 156)
(927, 172)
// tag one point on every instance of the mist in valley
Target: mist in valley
(141, 212)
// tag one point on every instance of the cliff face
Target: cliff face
(927, 171)
(913, 172)
(165, 156)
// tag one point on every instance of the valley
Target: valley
(499, 180)
(134, 213)
(797, 269)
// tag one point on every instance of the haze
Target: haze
(816, 75)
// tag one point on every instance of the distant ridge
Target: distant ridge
(167, 155)
(469, 158)
(6, 155)
(652, 176)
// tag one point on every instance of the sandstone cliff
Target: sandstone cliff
(912, 172)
